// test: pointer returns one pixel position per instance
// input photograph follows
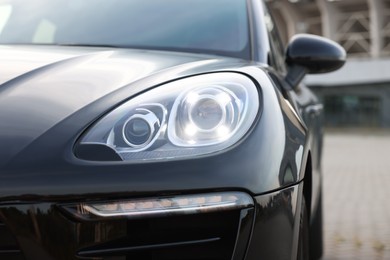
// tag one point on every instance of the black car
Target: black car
(149, 129)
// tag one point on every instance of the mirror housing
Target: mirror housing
(311, 54)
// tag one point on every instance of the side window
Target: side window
(277, 57)
(44, 32)
(5, 13)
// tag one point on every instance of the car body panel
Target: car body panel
(51, 95)
(72, 78)
(270, 230)
(269, 141)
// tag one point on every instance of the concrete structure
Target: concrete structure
(358, 94)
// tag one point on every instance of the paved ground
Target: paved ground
(356, 169)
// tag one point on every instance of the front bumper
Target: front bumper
(267, 230)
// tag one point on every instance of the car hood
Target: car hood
(41, 86)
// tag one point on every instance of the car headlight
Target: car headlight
(187, 117)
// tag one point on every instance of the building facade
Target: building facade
(359, 94)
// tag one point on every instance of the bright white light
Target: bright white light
(192, 98)
(192, 142)
(191, 130)
(223, 131)
(223, 99)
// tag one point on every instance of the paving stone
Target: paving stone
(356, 175)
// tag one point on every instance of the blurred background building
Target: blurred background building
(358, 95)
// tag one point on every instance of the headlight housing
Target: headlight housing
(185, 118)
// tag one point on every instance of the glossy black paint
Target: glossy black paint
(68, 79)
(277, 219)
(46, 170)
(71, 177)
(273, 236)
(315, 53)
(50, 95)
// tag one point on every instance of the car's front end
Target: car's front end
(70, 189)
(126, 135)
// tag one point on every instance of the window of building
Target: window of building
(352, 110)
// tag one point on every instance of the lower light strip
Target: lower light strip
(182, 204)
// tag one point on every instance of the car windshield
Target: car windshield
(205, 26)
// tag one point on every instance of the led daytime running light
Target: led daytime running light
(184, 204)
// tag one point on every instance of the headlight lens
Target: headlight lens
(187, 117)
(206, 115)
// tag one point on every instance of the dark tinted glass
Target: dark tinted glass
(219, 26)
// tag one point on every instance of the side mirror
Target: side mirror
(310, 54)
